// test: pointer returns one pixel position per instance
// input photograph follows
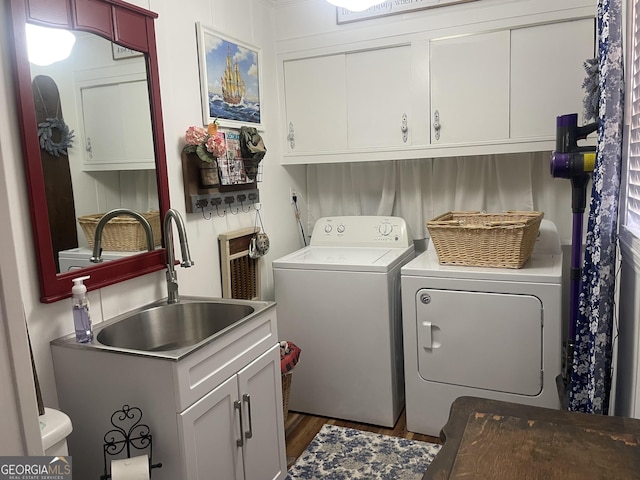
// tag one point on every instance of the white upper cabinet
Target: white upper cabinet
(491, 81)
(470, 88)
(508, 85)
(117, 126)
(349, 102)
(547, 71)
(379, 97)
(316, 104)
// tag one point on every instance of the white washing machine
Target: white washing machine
(485, 332)
(79, 257)
(339, 301)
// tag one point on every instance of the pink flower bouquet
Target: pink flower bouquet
(206, 143)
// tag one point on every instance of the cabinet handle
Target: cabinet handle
(436, 124)
(238, 406)
(291, 137)
(89, 147)
(428, 338)
(404, 128)
(247, 398)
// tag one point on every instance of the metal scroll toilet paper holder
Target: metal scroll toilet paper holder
(128, 435)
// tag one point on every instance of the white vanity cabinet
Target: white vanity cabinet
(349, 101)
(213, 413)
(230, 431)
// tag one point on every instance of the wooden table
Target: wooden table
(493, 440)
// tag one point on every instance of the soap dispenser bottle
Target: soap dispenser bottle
(81, 316)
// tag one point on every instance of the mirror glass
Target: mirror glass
(92, 139)
(100, 92)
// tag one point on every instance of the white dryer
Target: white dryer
(339, 301)
(485, 332)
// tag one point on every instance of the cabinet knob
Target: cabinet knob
(291, 137)
(89, 147)
(436, 124)
(404, 128)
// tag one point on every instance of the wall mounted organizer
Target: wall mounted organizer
(222, 198)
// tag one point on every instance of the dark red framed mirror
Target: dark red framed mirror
(126, 26)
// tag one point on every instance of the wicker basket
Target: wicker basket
(123, 233)
(503, 240)
(286, 390)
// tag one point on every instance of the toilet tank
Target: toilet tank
(55, 427)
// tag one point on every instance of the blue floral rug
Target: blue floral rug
(339, 453)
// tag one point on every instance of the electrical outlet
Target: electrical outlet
(292, 193)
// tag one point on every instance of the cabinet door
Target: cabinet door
(210, 432)
(261, 395)
(470, 88)
(379, 97)
(546, 75)
(316, 105)
(117, 126)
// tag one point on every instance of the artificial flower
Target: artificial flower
(205, 142)
(216, 146)
(195, 135)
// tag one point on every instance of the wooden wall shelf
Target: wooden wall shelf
(198, 199)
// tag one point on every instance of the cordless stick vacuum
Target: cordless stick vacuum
(575, 163)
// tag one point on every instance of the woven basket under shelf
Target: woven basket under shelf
(504, 240)
(123, 233)
(286, 390)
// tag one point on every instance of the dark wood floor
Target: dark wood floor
(301, 428)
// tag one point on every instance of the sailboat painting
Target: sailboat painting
(229, 79)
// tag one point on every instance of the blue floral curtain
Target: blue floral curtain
(591, 372)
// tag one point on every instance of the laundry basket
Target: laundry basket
(289, 356)
(123, 233)
(479, 239)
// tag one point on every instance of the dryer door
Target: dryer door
(491, 341)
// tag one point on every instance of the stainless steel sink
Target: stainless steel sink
(170, 331)
(171, 327)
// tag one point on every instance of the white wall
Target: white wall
(312, 23)
(248, 20)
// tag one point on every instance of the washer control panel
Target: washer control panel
(362, 231)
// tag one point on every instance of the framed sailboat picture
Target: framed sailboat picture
(229, 80)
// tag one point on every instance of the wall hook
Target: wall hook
(241, 198)
(229, 201)
(201, 204)
(205, 217)
(224, 212)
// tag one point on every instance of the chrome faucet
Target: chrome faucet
(172, 276)
(97, 238)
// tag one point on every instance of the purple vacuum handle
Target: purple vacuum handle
(568, 133)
